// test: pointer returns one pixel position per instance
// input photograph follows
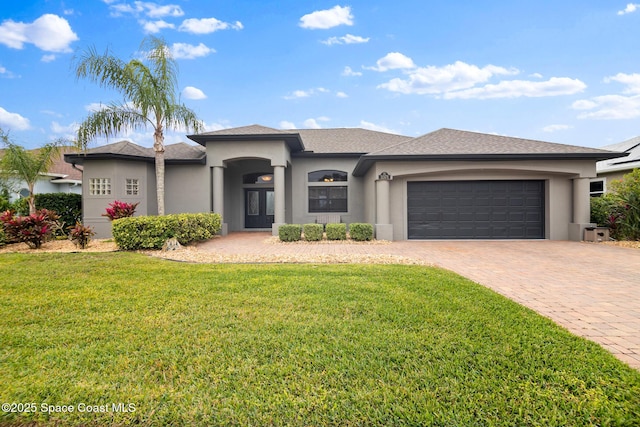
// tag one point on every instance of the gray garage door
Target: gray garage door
(475, 209)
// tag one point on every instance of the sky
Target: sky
(560, 71)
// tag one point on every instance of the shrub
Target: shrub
(336, 231)
(150, 232)
(3, 238)
(627, 193)
(361, 231)
(81, 235)
(290, 232)
(67, 205)
(118, 209)
(34, 229)
(312, 232)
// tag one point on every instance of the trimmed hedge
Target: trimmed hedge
(361, 231)
(336, 231)
(150, 232)
(68, 206)
(312, 232)
(290, 232)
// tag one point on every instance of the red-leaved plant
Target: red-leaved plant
(33, 230)
(120, 209)
(81, 235)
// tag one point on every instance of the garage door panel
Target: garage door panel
(475, 210)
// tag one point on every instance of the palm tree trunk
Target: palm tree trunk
(158, 146)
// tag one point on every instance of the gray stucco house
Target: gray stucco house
(447, 184)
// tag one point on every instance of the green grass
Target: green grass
(289, 345)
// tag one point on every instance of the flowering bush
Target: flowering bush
(81, 235)
(118, 209)
(34, 229)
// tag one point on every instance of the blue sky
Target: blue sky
(562, 71)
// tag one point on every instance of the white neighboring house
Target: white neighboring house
(614, 169)
(61, 178)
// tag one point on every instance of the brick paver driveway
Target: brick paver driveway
(591, 289)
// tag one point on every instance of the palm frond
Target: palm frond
(109, 122)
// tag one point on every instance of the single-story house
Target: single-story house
(61, 177)
(447, 184)
(613, 169)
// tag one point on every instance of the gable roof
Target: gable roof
(174, 153)
(450, 144)
(631, 161)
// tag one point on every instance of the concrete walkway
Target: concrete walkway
(591, 289)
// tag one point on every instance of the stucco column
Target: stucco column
(384, 228)
(278, 196)
(581, 209)
(218, 196)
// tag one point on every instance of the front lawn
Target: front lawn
(122, 339)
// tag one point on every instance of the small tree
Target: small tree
(27, 165)
(627, 194)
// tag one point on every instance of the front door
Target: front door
(258, 207)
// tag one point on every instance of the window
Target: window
(132, 187)
(596, 188)
(257, 178)
(327, 176)
(328, 199)
(100, 186)
(327, 191)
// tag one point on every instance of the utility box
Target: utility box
(596, 234)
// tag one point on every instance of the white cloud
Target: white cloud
(372, 126)
(438, 80)
(68, 132)
(95, 106)
(210, 127)
(536, 75)
(13, 121)
(349, 72)
(613, 107)
(6, 73)
(207, 25)
(286, 125)
(324, 19)
(188, 51)
(313, 123)
(555, 86)
(342, 95)
(153, 27)
(631, 80)
(393, 61)
(48, 58)
(150, 9)
(347, 39)
(555, 128)
(631, 7)
(296, 94)
(50, 33)
(191, 92)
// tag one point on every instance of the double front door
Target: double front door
(258, 208)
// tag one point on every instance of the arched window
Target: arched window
(327, 191)
(327, 176)
(258, 178)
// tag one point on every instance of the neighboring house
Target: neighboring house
(62, 177)
(614, 169)
(447, 184)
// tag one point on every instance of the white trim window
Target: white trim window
(597, 187)
(132, 187)
(100, 186)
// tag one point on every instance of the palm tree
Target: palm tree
(149, 93)
(27, 166)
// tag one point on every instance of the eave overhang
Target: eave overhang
(368, 160)
(293, 140)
